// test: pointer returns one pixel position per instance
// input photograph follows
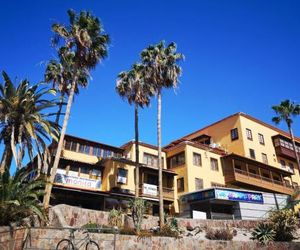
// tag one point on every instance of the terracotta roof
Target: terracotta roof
(147, 145)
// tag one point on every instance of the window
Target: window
(234, 134)
(177, 160)
(261, 139)
(249, 134)
(264, 158)
(87, 150)
(84, 170)
(252, 171)
(252, 153)
(215, 184)
(122, 176)
(197, 161)
(287, 183)
(70, 145)
(152, 160)
(282, 163)
(214, 164)
(81, 148)
(96, 151)
(152, 179)
(198, 183)
(95, 174)
(180, 184)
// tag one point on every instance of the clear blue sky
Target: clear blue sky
(240, 56)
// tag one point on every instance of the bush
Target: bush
(264, 233)
(167, 231)
(115, 218)
(219, 234)
(144, 234)
(284, 223)
(138, 207)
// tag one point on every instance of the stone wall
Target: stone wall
(64, 216)
(48, 238)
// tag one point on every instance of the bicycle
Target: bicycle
(69, 244)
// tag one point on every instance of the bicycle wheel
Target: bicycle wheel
(92, 245)
(65, 244)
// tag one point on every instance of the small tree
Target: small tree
(138, 208)
(284, 223)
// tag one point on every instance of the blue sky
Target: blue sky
(240, 56)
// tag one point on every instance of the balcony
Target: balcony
(151, 191)
(284, 147)
(247, 173)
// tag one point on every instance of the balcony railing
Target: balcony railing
(153, 191)
(261, 181)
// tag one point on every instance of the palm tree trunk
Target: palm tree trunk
(61, 101)
(137, 158)
(6, 158)
(50, 180)
(160, 181)
(294, 146)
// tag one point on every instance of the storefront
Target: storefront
(225, 203)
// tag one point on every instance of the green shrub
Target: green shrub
(144, 234)
(219, 234)
(167, 231)
(284, 223)
(264, 233)
(115, 218)
(97, 228)
(138, 207)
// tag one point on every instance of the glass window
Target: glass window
(81, 148)
(152, 160)
(122, 176)
(197, 161)
(264, 158)
(68, 145)
(234, 134)
(177, 160)
(261, 139)
(87, 150)
(249, 134)
(84, 170)
(252, 153)
(291, 167)
(198, 183)
(214, 164)
(180, 184)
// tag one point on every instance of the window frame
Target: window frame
(249, 134)
(213, 166)
(180, 180)
(264, 160)
(234, 134)
(200, 159)
(126, 171)
(202, 184)
(252, 156)
(261, 139)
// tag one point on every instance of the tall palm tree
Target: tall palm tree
(83, 43)
(19, 198)
(285, 111)
(24, 125)
(131, 86)
(59, 74)
(162, 71)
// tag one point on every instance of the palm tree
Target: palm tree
(19, 198)
(162, 71)
(285, 112)
(132, 87)
(83, 45)
(24, 127)
(58, 73)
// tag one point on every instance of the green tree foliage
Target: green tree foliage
(138, 208)
(19, 198)
(24, 123)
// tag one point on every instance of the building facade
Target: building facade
(239, 154)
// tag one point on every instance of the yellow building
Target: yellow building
(99, 176)
(238, 152)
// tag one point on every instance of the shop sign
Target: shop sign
(149, 189)
(76, 181)
(241, 196)
(199, 196)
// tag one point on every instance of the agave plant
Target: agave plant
(19, 197)
(264, 233)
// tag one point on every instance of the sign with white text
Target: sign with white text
(149, 189)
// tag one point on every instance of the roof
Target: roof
(94, 142)
(236, 115)
(144, 144)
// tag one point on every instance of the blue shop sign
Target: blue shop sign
(241, 196)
